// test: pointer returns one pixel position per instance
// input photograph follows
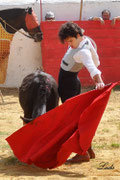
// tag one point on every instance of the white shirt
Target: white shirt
(88, 57)
(84, 54)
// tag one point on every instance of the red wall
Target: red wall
(107, 38)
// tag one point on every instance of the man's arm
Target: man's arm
(114, 20)
(97, 19)
(84, 56)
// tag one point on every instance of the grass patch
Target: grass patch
(115, 145)
(2, 133)
(116, 88)
(100, 146)
(105, 130)
(110, 109)
(106, 146)
(5, 147)
(11, 161)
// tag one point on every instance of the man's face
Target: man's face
(72, 42)
(106, 16)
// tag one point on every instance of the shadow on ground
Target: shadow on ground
(11, 166)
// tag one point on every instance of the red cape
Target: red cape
(48, 141)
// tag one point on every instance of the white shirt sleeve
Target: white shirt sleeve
(84, 56)
(94, 55)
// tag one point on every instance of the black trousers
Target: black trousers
(68, 84)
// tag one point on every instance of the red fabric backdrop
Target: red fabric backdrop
(107, 38)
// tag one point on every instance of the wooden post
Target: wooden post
(1, 96)
(41, 10)
(81, 8)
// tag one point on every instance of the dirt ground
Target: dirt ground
(106, 145)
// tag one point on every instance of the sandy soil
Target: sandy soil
(106, 144)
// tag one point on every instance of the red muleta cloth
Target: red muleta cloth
(48, 141)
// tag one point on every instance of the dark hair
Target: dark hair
(69, 29)
(107, 11)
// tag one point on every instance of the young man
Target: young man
(80, 53)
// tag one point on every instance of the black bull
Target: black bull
(38, 94)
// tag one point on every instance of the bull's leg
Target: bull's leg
(53, 100)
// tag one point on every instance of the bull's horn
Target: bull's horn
(26, 120)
